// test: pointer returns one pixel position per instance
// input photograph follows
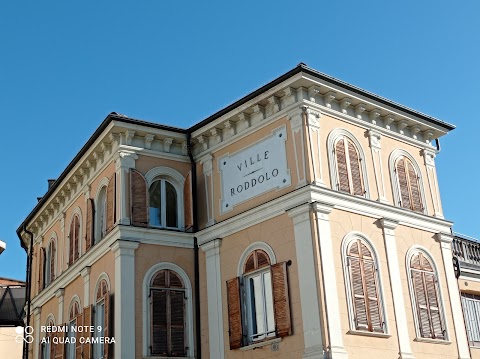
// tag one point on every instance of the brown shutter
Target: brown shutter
(40, 352)
(111, 202)
(89, 225)
(41, 269)
(77, 238)
(414, 188)
(373, 300)
(358, 294)
(433, 306)
(60, 348)
(234, 313)
(177, 323)
(188, 202)
(422, 305)
(355, 171)
(138, 198)
(52, 261)
(52, 346)
(281, 303)
(78, 345)
(87, 320)
(403, 183)
(343, 184)
(71, 236)
(107, 331)
(159, 322)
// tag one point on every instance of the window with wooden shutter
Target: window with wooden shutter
(74, 240)
(348, 166)
(87, 321)
(138, 199)
(163, 204)
(111, 195)
(89, 230)
(188, 202)
(258, 302)
(471, 313)
(100, 320)
(167, 308)
(43, 264)
(365, 300)
(408, 184)
(430, 323)
(52, 261)
(61, 348)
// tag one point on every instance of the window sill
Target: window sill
(261, 344)
(432, 341)
(369, 334)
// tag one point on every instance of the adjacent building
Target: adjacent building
(302, 221)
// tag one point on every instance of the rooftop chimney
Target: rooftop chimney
(50, 183)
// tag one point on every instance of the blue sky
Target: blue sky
(65, 65)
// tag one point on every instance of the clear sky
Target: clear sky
(65, 65)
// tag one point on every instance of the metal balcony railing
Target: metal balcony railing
(467, 250)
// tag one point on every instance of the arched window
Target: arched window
(101, 215)
(100, 319)
(49, 269)
(258, 304)
(74, 320)
(47, 349)
(74, 239)
(347, 164)
(425, 295)
(168, 317)
(163, 208)
(366, 307)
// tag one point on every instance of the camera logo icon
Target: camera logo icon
(27, 337)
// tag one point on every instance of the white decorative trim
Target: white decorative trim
(97, 229)
(188, 307)
(74, 299)
(102, 276)
(335, 135)
(394, 156)
(51, 317)
(349, 238)
(411, 251)
(253, 246)
(261, 344)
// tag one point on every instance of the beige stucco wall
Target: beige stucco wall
(9, 348)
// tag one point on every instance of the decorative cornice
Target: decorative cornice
(444, 238)
(388, 223)
(167, 142)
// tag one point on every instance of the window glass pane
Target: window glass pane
(269, 302)
(259, 304)
(171, 195)
(155, 203)
(70, 347)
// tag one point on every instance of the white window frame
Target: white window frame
(189, 341)
(178, 181)
(99, 230)
(333, 137)
(347, 240)
(410, 253)
(397, 197)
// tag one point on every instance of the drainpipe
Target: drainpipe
(195, 249)
(29, 286)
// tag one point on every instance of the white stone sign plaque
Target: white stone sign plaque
(254, 170)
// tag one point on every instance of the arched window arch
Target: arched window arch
(101, 211)
(168, 314)
(258, 304)
(425, 295)
(406, 181)
(165, 194)
(47, 348)
(74, 236)
(101, 315)
(363, 285)
(347, 163)
(75, 320)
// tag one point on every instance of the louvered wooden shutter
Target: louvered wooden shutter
(159, 322)
(187, 201)
(433, 305)
(41, 271)
(107, 328)
(87, 320)
(71, 237)
(52, 261)
(52, 346)
(358, 294)
(403, 184)
(77, 239)
(343, 183)
(78, 335)
(373, 300)
(138, 198)
(234, 313)
(422, 305)
(111, 202)
(355, 171)
(60, 348)
(281, 302)
(89, 225)
(177, 323)
(414, 188)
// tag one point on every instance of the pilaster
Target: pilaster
(296, 124)
(336, 348)
(36, 348)
(207, 165)
(86, 285)
(124, 308)
(214, 298)
(60, 294)
(124, 161)
(313, 127)
(312, 331)
(429, 157)
(445, 241)
(376, 148)
(388, 226)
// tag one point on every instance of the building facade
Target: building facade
(302, 221)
